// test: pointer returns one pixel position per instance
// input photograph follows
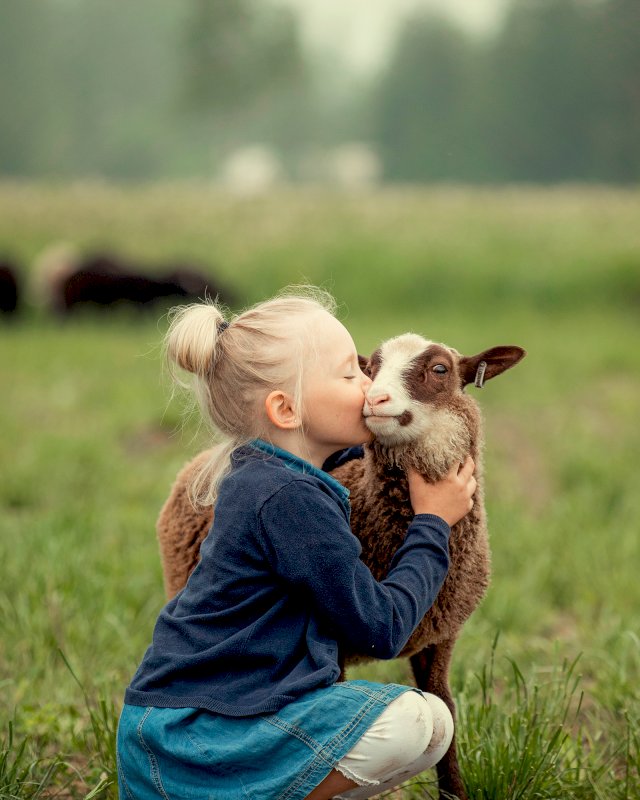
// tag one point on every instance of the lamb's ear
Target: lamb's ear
(478, 369)
(363, 363)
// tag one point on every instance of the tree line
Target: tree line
(158, 89)
(554, 96)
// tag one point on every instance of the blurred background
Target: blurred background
(467, 170)
(488, 91)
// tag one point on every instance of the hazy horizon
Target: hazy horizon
(360, 31)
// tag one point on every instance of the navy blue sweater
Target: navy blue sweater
(279, 585)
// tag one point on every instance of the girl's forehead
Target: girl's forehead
(328, 341)
(330, 333)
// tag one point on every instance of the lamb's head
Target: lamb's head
(416, 401)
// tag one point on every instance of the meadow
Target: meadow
(547, 671)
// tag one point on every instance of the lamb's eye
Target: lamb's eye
(440, 369)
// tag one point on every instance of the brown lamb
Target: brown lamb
(421, 416)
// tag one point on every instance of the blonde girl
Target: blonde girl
(237, 696)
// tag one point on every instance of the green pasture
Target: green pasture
(547, 671)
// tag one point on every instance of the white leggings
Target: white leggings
(411, 735)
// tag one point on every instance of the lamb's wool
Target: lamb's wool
(181, 528)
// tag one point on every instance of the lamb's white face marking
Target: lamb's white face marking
(394, 414)
(388, 399)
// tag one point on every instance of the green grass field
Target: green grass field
(547, 671)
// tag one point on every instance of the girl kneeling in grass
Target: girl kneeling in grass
(237, 697)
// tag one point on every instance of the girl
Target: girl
(236, 698)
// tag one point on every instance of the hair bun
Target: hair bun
(192, 338)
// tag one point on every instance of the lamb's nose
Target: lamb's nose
(378, 399)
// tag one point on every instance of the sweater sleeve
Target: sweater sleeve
(308, 543)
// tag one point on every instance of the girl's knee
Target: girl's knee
(407, 728)
(399, 736)
(411, 736)
(443, 726)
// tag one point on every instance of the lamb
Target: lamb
(421, 416)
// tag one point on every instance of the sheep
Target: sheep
(68, 281)
(8, 287)
(421, 416)
(103, 280)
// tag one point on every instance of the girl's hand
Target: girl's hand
(450, 498)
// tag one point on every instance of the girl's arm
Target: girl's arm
(309, 544)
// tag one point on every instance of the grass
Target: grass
(23, 775)
(89, 445)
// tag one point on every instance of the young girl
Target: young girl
(236, 698)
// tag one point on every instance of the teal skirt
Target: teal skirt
(193, 754)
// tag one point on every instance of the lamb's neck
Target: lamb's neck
(432, 456)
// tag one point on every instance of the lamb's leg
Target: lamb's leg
(431, 670)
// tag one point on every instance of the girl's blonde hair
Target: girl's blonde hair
(235, 363)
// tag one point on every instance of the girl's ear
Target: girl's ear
(280, 410)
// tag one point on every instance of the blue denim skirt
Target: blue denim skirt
(193, 754)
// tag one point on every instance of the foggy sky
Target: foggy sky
(359, 31)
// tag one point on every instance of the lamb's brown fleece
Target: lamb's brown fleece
(181, 528)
